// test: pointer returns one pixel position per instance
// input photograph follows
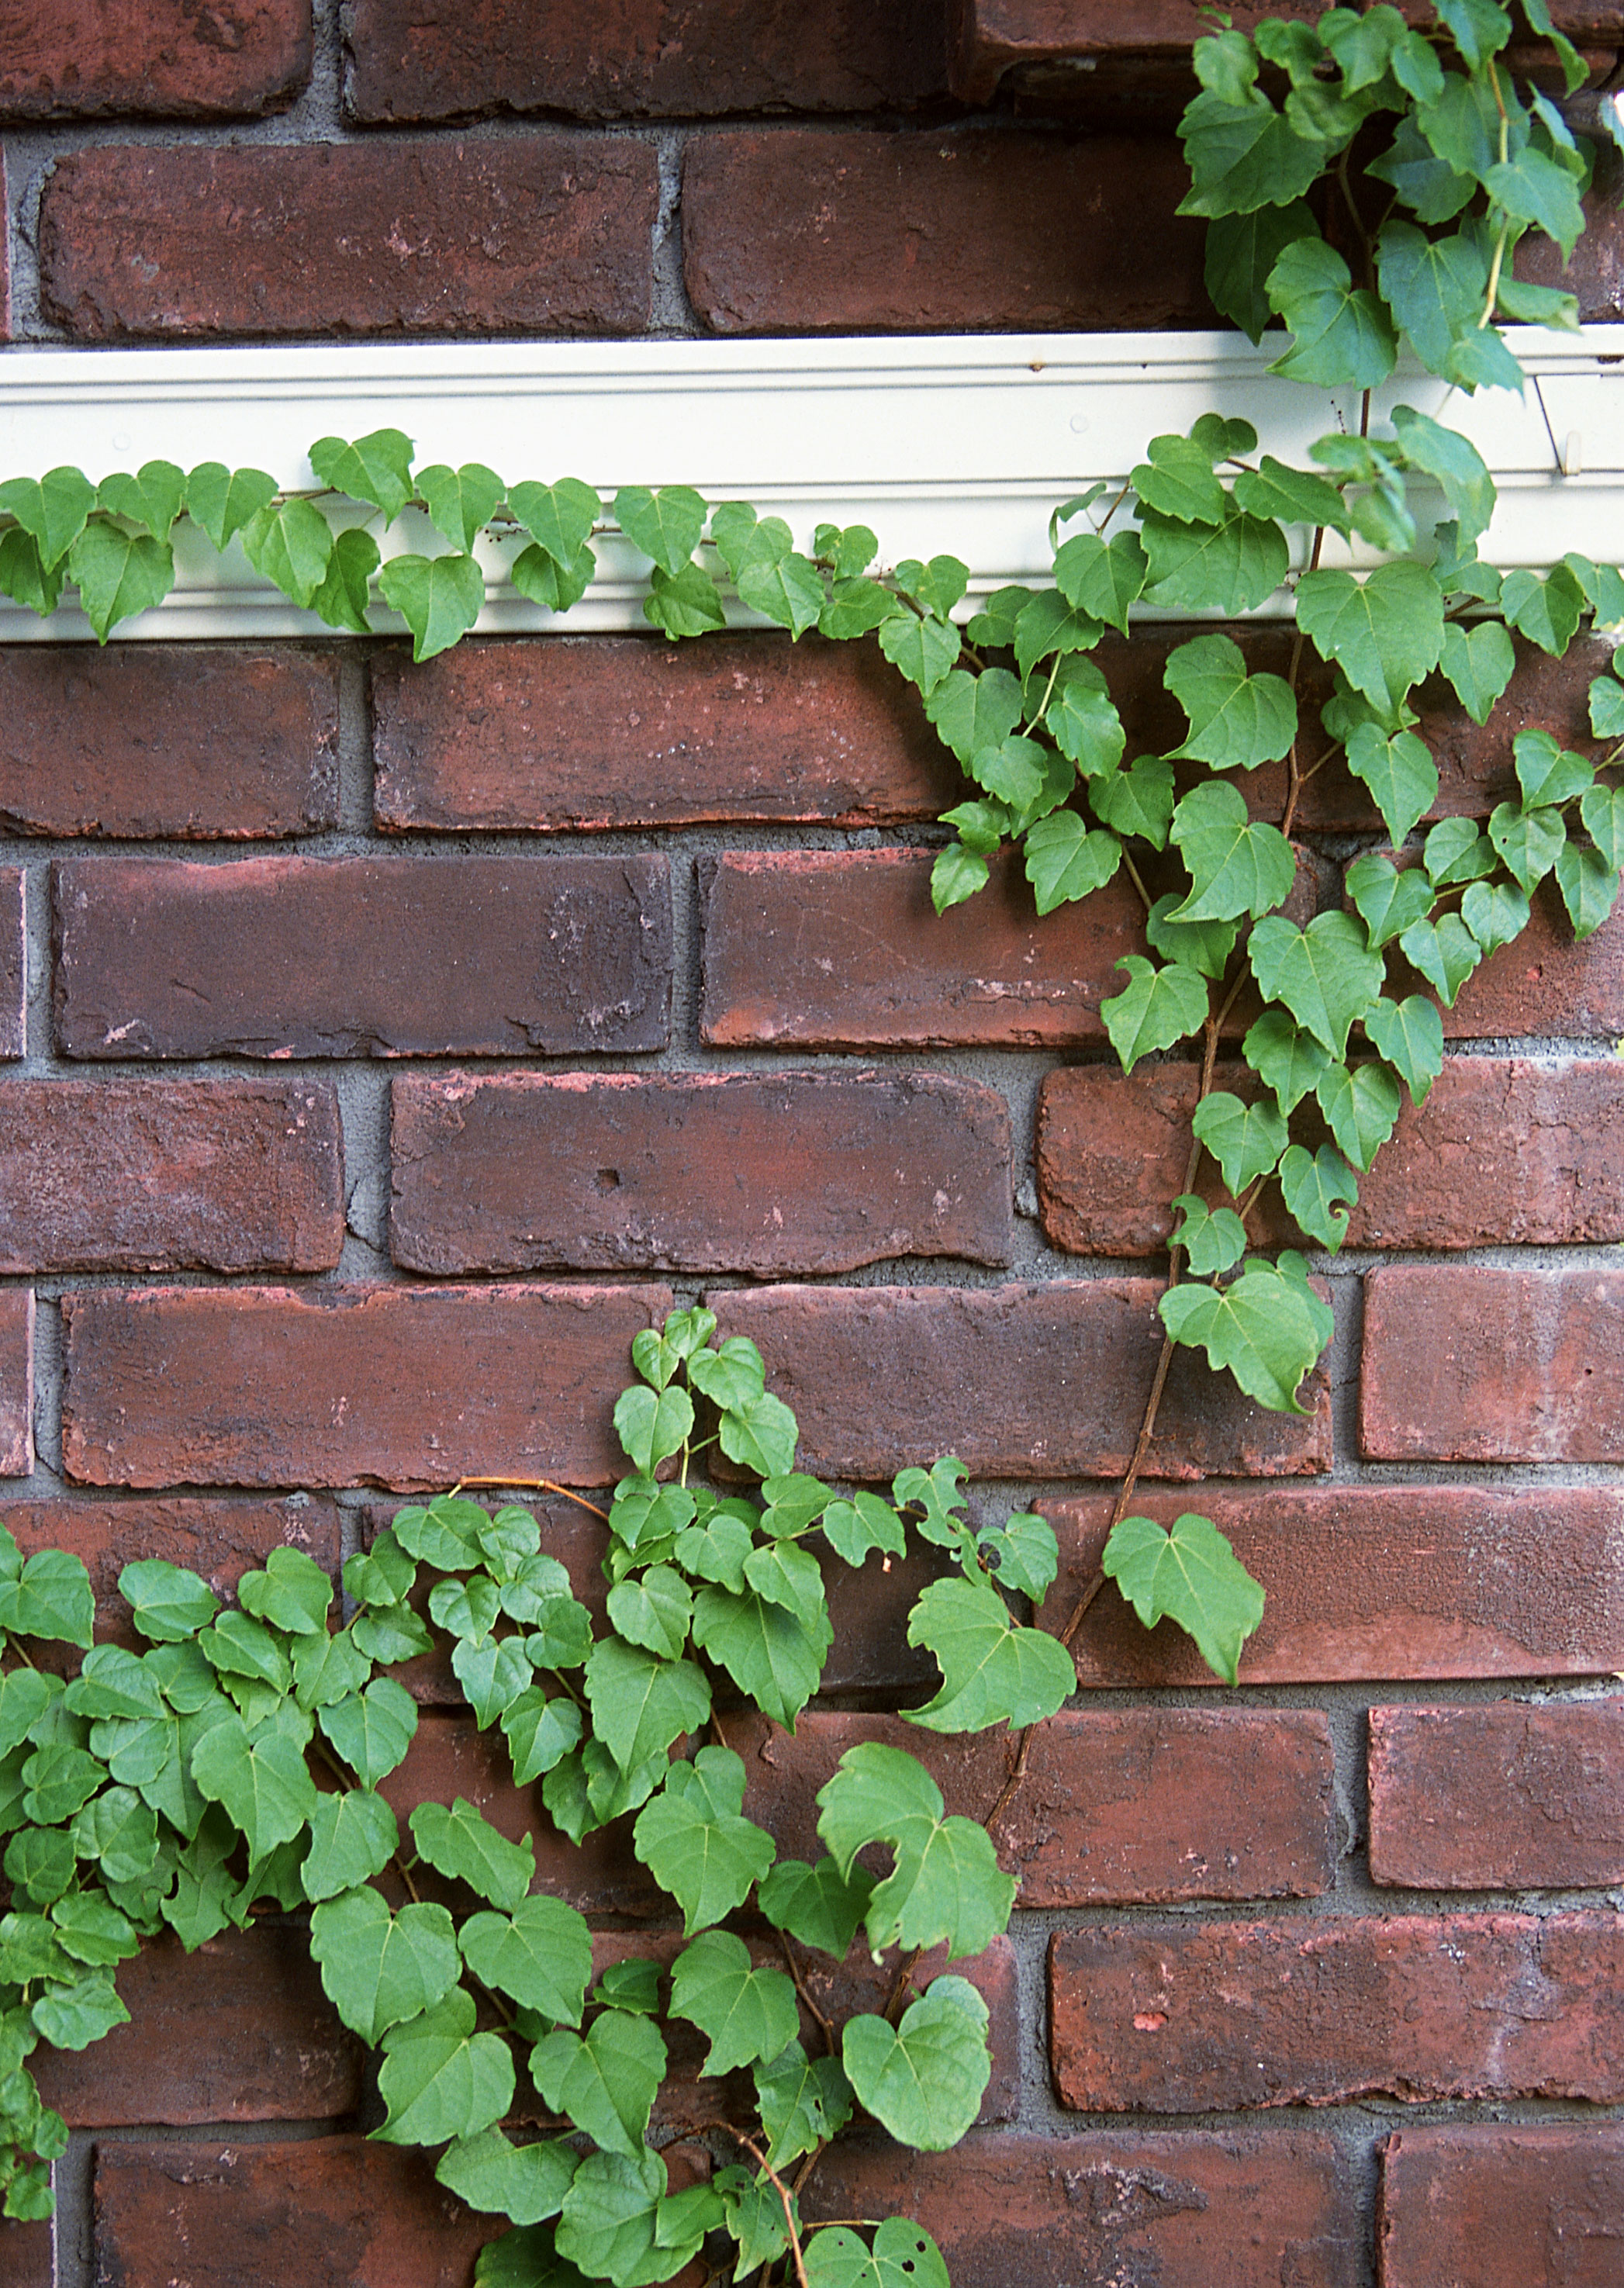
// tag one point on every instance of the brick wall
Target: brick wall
(324, 1175)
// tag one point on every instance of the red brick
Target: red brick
(27, 2256)
(224, 740)
(1019, 1382)
(5, 270)
(16, 1381)
(1365, 1582)
(1508, 1797)
(137, 1175)
(346, 957)
(1197, 2017)
(696, 1172)
(13, 964)
(834, 948)
(1541, 984)
(573, 732)
(834, 230)
(392, 1386)
(1229, 2209)
(1132, 1806)
(1492, 1365)
(239, 2031)
(1502, 1150)
(628, 59)
(1502, 2206)
(167, 59)
(549, 235)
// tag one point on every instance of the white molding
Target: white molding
(958, 443)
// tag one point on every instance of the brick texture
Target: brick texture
(713, 1172)
(16, 1381)
(810, 230)
(1494, 1365)
(168, 59)
(628, 59)
(1019, 1382)
(1501, 1797)
(137, 1175)
(1503, 1150)
(1369, 1581)
(1541, 983)
(1182, 2018)
(1504, 2206)
(397, 1387)
(1228, 2209)
(346, 957)
(239, 2031)
(30, 2256)
(576, 732)
(13, 965)
(548, 235)
(225, 741)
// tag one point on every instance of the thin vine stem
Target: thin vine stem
(786, 2197)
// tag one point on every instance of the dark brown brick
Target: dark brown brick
(166, 59)
(139, 1175)
(1509, 1797)
(13, 964)
(346, 957)
(1502, 1150)
(1019, 1382)
(16, 1381)
(831, 948)
(1364, 1582)
(1227, 2209)
(1191, 2018)
(1502, 2206)
(223, 741)
(629, 58)
(391, 1386)
(549, 235)
(561, 733)
(1485, 1364)
(1136, 1807)
(27, 2256)
(810, 230)
(219, 1539)
(239, 2031)
(696, 1172)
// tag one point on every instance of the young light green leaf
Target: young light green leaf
(854, 1527)
(817, 1904)
(1155, 1008)
(652, 1426)
(1268, 1329)
(525, 2182)
(439, 597)
(1138, 800)
(1237, 721)
(559, 517)
(749, 2015)
(1314, 1186)
(1230, 568)
(119, 573)
(665, 524)
(945, 1885)
(347, 589)
(1100, 578)
(1190, 1575)
(958, 873)
(262, 1781)
(923, 2079)
(1546, 611)
(640, 1704)
(923, 650)
(153, 497)
(292, 1592)
(376, 468)
(291, 543)
(541, 1954)
(1478, 662)
(694, 1841)
(1529, 841)
(354, 1836)
(1066, 861)
(460, 502)
(1245, 1140)
(1326, 974)
(373, 1730)
(440, 2079)
(1546, 771)
(1445, 952)
(773, 1657)
(761, 1435)
(1590, 887)
(221, 500)
(52, 509)
(1361, 1105)
(1343, 335)
(606, 2080)
(1384, 632)
(1286, 1058)
(1214, 1239)
(993, 1670)
(1410, 1035)
(460, 1842)
(1235, 867)
(1400, 772)
(379, 1969)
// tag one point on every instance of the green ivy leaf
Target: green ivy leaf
(1290, 496)
(854, 1527)
(1066, 861)
(439, 597)
(376, 468)
(947, 1885)
(1155, 1008)
(544, 581)
(261, 1781)
(665, 524)
(446, 1535)
(1385, 632)
(1361, 1104)
(1202, 945)
(1231, 568)
(153, 497)
(1547, 773)
(119, 573)
(1456, 851)
(1285, 1056)
(379, 1969)
(1529, 841)
(73, 2017)
(1245, 1140)
(651, 1426)
(354, 1836)
(1237, 721)
(640, 1704)
(605, 2080)
(541, 1954)
(492, 1672)
(395, 1634)
(1546, 611)
(1214, 1239)
(440, 2079)
(1235, 867)
(696, 1846)
(1102, 578)
(1314, 1185)
(922, 650)
(1242, 250)
(120, 1833)
(1190, 1575)
(1138, 800)
(42, 1861)
(1534, 189)
(373, 1730)
(1478, 662)
(540, 1733)
(1410, 1035)
(1445, 952)
(24, 577)
(610, 2220)
(466, 1607)
(1268, 1329)
(52, 509)
(460, 1842)
(749, 2016)
(816, 1903)
(1176, 479)
(460, 502)
(113, 1682)
(1243, 157)
(559, 517)
(1495, 912)
(1607, 707)
(992, 1672)
(1590, 887)
(290, 543)
(1325, 974)
(525, 2182)
(1343, 335)
(923, 2078)
(974, 712)
(761, 1435)
(1453, 463)
(220, 501)
(293, 1593)
(653, 1609)
(1400, 772)
(346, 592)
(1024, 1554)
(93, 1930)
(1601, 810)
(773, 1657)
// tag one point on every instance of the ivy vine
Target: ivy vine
(1366, 184)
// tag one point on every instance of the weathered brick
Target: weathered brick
(1373, 1581)
(1486, 1364)
(16, 1381)
(1191, 2018)
(137, 1175)
(1228, 2209)
(696, 1172)
(226, 740)
(1538, 2206)
(1140, 1806)
(166, 59)
(220, 1540)
(628, 59)
(346, 957)
(1019, 1382)
(580, 732)
(27, 2256)
(13, 964)
(392, 1386)
(817, 230)
(1502, 1150)
(834, 948)
(1503, 1797)
(239, 2031)
(548, 235)
(1541, 984)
